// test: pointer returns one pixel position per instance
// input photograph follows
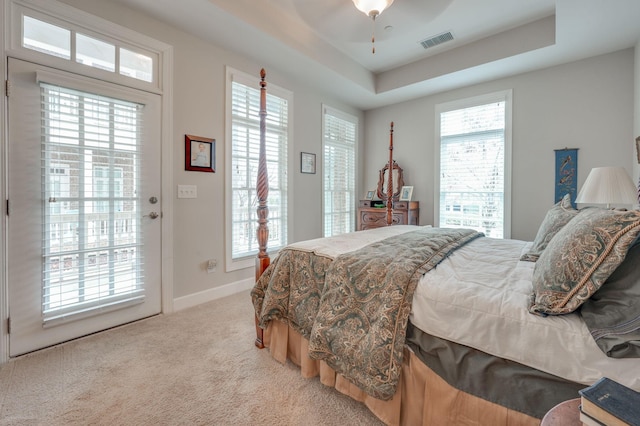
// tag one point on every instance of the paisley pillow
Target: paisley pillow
(557, 217)
(579, 259)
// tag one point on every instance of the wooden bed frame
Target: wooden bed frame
(263, 260)
(425, 398)
(262, 188)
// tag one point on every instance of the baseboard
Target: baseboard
(191, 300)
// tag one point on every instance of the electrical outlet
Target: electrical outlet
(187, 191)
(211, 265)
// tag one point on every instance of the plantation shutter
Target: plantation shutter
(245, 146)
(472, 168)
(339, 172)
(92, 260)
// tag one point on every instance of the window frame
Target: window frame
(77, 21)
(232, 75)
(341, 115)
(503, 95)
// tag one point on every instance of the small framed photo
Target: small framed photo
(369, 195)
(638, 148)
(199, 154)
(307, 162)
(406, 193)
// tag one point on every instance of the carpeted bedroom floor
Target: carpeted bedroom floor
(195, 367)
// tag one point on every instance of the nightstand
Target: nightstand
(566, 413)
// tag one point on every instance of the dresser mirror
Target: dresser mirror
(383, 182)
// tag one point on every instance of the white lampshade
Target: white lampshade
(372, 8)
(608, 185)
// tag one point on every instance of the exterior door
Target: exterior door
(84, 208)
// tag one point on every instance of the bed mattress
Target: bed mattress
(479, 296)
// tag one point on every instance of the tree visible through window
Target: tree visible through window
(473, 176)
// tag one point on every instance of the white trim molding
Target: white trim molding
(209, 295)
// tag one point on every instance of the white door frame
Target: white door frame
(165, 52)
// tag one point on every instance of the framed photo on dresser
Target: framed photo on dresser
(406, 193)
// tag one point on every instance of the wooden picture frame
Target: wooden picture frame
(199, 154)
(405, 193)
(307, 162)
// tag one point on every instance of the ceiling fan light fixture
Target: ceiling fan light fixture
(372, 8)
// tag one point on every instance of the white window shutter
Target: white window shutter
(339, 172)
(91, 172)
(473, 167)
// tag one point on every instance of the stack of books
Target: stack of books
(609, 403)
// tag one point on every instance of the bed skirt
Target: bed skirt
(422, 398)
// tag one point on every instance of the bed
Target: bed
(446, 326)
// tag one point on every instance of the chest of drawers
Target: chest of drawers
(404, 213)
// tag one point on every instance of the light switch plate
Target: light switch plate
(187, 191)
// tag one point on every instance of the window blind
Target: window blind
(339, 172)
(245, 149)
(472, 168)
(91, 235)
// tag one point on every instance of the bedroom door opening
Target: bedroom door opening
(84, 210)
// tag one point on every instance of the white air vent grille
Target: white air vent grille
(436, 40)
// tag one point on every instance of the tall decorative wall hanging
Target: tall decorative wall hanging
(566, 173)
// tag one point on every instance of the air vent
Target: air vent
(436, 40)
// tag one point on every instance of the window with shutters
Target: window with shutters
(242, 166)
(473, 155)
(91, 156)
(340, 133)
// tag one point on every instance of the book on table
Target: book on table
(611, 403)
(587, 420)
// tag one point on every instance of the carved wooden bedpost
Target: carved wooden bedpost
(390, 185)
(262, 188)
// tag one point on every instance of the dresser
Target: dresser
(404, 213)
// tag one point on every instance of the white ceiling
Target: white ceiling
(328, 42)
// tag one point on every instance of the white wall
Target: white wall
(636, 117)
(586, 105)
(199, 109)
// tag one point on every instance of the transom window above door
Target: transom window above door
(50, 39)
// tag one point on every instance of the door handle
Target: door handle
(152, 215)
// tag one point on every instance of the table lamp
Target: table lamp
(608, 185)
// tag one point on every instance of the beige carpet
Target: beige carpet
(195, 367)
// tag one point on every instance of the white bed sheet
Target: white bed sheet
(339, 244)
(478, 297)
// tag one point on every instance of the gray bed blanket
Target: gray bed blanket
(361, 324)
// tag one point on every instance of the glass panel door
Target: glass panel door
(84, 239)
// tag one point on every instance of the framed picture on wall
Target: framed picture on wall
(199, 154)
(307, 162)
